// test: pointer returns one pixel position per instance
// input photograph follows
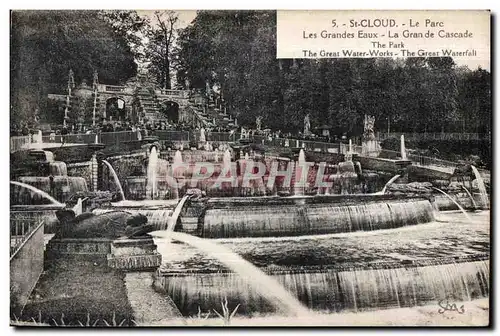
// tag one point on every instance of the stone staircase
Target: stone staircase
(149, 104)
(215, 116)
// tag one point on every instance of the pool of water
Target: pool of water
(451, 235)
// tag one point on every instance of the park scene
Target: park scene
(166, 169)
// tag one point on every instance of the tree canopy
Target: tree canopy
(45, 45)
(236, 50)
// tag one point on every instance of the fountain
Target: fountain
(115, 178)
(177, 158)
(174, 217)
(226, 160)
(299, 185)
(391, 181)
(207, 146)
(454, 201)
(473, 202)
(41, 171)
(321, 252)
(38, 192)
(481, 187)
(38, 140)
(152, 179)
(403, 148)
(268, 287)
(334, 272)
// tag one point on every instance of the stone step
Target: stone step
(152, 116)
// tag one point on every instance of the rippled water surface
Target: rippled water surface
(450, 236)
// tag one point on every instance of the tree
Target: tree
(474, 100)
(45, 45)
(236, 51)
(161, 35)
(131, 27)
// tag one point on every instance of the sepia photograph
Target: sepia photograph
(226, 168)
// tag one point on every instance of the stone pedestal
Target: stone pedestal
(102, 276)
(402, 164)
(89, 249)
(126, 254)
(138, 254)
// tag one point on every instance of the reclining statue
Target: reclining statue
(112, 225)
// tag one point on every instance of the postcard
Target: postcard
(250, 168)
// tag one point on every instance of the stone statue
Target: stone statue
(243, 134)
(369, 132)
(112, 225)
(202, 135)
(258, 122)
(307, 125)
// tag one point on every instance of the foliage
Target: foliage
(45, 45)
(236, 51)
(63, 323)
(226, 315)
(130, 26)
(392, 144)
(161, 34)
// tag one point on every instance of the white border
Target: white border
(198, 4)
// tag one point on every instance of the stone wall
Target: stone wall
(26, 266)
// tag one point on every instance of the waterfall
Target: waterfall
(156, 217)
(403, 149)
(333, 290)
(62, 188)
(58, 168)
(482, 188)
(152, 179)
(37, 191)
(292, 220)
(265, 285)
(115, 179)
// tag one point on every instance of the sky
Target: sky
(185, 16)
